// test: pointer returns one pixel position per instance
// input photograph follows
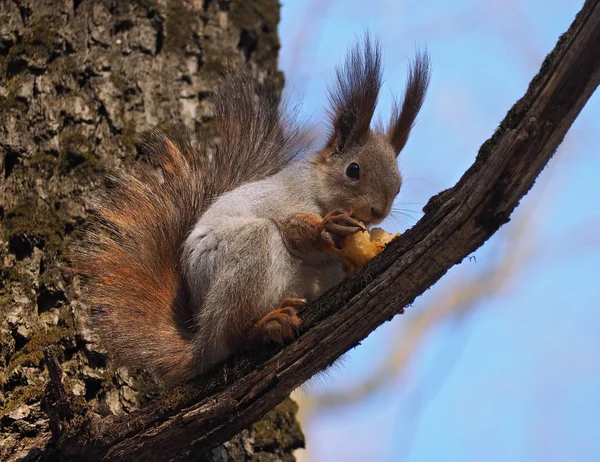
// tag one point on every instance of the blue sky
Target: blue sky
(518, 378)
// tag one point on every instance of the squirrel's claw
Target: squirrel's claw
(293, 302)
(337, 225)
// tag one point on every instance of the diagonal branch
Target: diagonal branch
(209, 410)
(460, 299)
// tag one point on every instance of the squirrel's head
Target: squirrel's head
(357, 168)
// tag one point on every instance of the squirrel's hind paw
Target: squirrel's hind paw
(281, 325)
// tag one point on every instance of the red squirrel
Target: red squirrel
(218, 254)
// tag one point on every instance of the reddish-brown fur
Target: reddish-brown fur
(131, 258)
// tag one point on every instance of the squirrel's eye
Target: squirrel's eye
(353, 171)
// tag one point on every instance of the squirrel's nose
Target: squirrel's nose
(376, 214)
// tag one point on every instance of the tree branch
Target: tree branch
(207, 411)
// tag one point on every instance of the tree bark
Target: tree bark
(196, 416)
(79, 80)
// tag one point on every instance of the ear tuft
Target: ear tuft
(353, 97)
(404, 115)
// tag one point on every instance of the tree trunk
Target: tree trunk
(79, 80)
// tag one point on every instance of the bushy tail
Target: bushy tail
(131, 253)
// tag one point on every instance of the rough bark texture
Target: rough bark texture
(210, 409)
(79, 81)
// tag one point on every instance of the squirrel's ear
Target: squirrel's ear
(353, 97)
(404, 115)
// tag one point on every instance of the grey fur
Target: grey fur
(236, 262)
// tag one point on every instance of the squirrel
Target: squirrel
(219, 253)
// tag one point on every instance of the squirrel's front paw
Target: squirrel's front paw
(337, 225)
(281, 325)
